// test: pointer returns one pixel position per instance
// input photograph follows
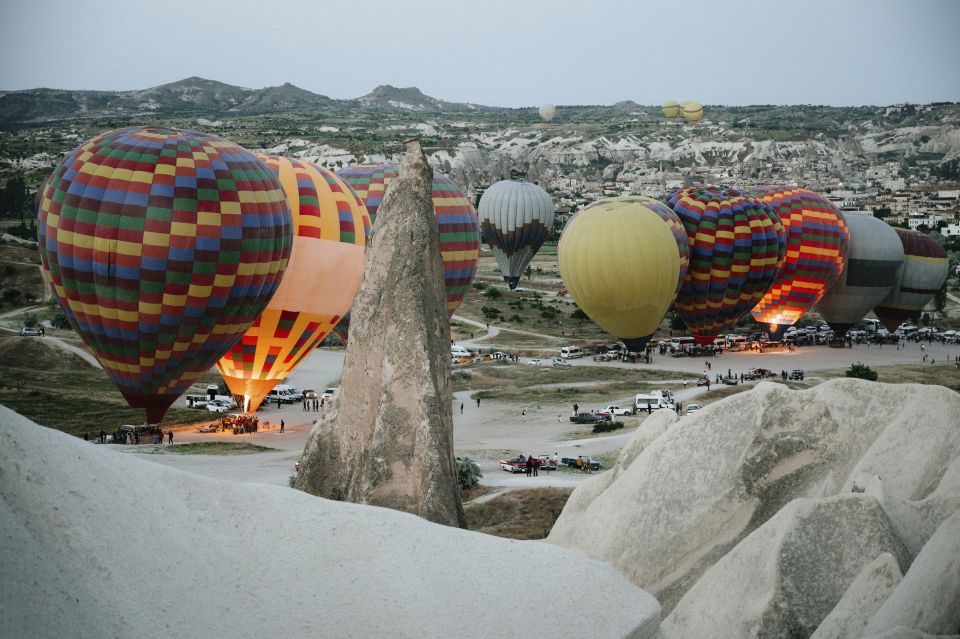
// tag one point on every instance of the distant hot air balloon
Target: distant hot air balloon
(874, 264)
(736, 250)
(330, 226)
(516, 218)
(670, 109)
(162, 246)
(457, 225)
(925, 269)
(817, 241)
(621, 262)
(547, 111)
(692, 112)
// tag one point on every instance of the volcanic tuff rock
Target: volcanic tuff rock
(391, 443)
(82, 555)
(862, 599)
(676, 506)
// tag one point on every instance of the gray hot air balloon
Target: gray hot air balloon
(874, 264)
(547, 111)
(515, 218)
(925, 268)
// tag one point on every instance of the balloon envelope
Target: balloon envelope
(621, 263)
(817, 241)
(330, 227)
(736, 250)
(457, 225)
(670, 109)
(515, 218)
(162, 246)
(547, 111)
(671, 220)
(692, 112)
(874, 264)
(925, 269)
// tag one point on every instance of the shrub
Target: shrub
(480, 285)
(606, 427)
(860, 371)
(516, 319)
(493, 293)
(468, 475)
(490, 312)
(578, 315)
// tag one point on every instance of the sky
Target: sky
(500, 52)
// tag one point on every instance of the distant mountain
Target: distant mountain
(411, 99)
(192, 96)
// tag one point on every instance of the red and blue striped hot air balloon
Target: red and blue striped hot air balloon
(817, 241)
(162, 246)
(736, 250)
(457, 225)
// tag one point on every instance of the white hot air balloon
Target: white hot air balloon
(515, 219)
(547, 111)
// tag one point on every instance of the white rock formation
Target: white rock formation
(928, 598)
(862, 599)
(786, 576)
(667, 514)
(99, 544)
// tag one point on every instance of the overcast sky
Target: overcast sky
(500, 52)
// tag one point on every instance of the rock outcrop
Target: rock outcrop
(675, 506)
(391, 441)
(862, 599)
(96, 543)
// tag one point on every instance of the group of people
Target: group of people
(131, 437)
(314, 404)
(240, 424)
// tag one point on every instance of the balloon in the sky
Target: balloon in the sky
(547, 111)
(925, 268)
(692, 112)
(874, 264)
(162, 246)
(330, 226)
(457, 225)
(736, 250)
(621, 262)
(817, 242)
(516, 218)
(670, 109)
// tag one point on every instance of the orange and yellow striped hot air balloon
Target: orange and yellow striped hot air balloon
(330, 229)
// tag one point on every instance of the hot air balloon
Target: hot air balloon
(817, 240)
(547, 111)
(736, 250)
(330, 226)
(676, 227)
(162, 246)
(874, 264)
(516, 218)
(692, 112)
(670, 109)
(457, 225)
(925, 268)
(621, 262)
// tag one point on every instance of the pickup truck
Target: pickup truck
(586, 418)
(572, 462)
(614, 410)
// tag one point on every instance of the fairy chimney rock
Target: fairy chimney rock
(389, 440)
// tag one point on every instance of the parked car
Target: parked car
(617, 410)
(559, 362)
(796, 374)
(572, 462)
(328, 393)
(586, 418)
(692, 408)
(309, 394)
(703, 381)
(218, 406)
(195, 401)
(534, 362)
(30, 332)
(603, 357)
(515, 465)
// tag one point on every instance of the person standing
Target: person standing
(281, 425)
(478, 402)
(169, 436)
(536, 466)
(529, 466)
(576, 408)
(461, 408)
(103, 436)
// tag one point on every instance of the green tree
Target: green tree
(578, 314)
(861, 371)
(468, 474)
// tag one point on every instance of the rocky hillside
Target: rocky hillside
(832, 512)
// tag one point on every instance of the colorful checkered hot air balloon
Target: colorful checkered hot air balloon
(330, 226)
(817, 241)
(925, 268)
(736, 250)
(623, 260)
(162, 246)
(457, 225)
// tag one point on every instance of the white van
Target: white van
(653, 401)
(460, 351)
(571, 352)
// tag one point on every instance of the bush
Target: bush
(606, 427)
(493, 293)
(516, 319)
(861, 371)
(578, 315)
(468, 475)
(480, 285)
(490, 312)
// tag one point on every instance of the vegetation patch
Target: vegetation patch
(518, 514)
(218, 448)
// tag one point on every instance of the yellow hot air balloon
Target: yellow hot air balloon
(620, 262)
(670, 109)
(330, 227)
(691, 111)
